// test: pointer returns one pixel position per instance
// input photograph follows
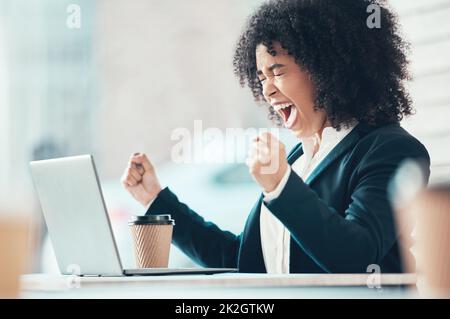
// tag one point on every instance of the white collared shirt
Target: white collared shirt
(275, 238)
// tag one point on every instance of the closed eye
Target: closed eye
(262, 80)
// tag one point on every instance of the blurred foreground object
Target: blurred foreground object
(431, 209)
(423, 222)
(14, 250)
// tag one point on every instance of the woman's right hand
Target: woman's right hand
(140, 179)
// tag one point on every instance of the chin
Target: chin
(298, 133)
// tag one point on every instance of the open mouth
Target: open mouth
(288, 112)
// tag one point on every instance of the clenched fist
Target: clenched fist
(267, 161)
(140, 179)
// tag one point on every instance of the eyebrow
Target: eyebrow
(271, 68)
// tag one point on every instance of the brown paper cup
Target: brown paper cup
(152, 236)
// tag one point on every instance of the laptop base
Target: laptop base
(176, 271)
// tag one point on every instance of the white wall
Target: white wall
(4, 114)
(426, 23)
(164, 64)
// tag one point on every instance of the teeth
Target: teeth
(281, 106)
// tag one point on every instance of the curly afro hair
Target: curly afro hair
(358, 72)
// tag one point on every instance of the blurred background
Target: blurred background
(133, 71)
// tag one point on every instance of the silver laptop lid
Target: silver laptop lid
(75, 213)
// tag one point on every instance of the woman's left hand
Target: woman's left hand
(267, 161)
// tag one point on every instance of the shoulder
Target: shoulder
(392, 138)
(388, 145)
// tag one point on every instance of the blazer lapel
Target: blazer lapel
(296, 152)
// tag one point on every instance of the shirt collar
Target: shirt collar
(330, 136)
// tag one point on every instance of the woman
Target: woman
(338, 85)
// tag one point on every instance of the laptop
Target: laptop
(80, 230)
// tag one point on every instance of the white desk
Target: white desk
(235, 286)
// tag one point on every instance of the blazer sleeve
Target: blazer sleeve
(201, 240)
(349, 242)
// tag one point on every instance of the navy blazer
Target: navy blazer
(340, 218)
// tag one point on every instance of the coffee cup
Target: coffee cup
(152, 236)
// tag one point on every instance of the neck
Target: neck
(325, 124)
(318, 136)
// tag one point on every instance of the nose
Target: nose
(269, 89)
